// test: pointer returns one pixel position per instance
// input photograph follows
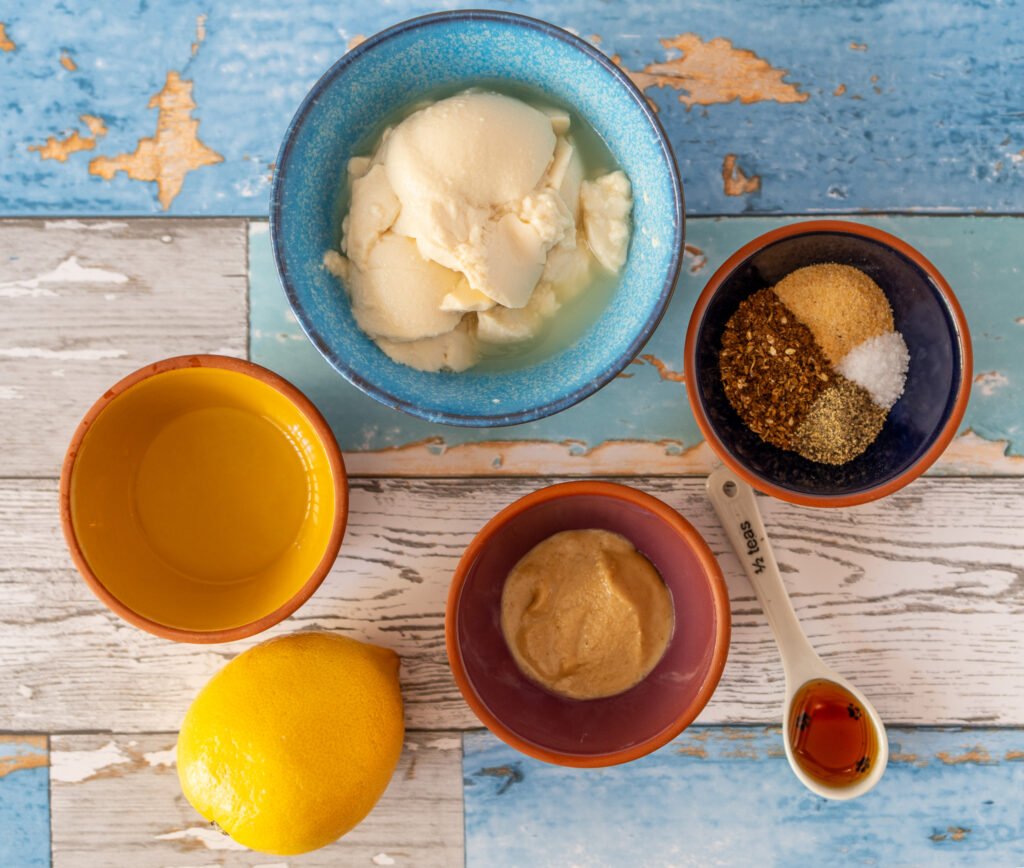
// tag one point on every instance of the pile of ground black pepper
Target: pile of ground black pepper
(785, 352)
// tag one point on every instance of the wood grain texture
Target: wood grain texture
(87, 302)
(117, 802)
(727, 797)
(831, 107)
(918, 599)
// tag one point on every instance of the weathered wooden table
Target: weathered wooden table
(135, 158)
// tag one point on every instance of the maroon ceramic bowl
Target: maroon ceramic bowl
(596, 732)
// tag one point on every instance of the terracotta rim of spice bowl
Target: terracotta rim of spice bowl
(337, 472)
(944, 436)
(676, 524)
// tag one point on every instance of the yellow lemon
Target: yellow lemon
(293, 742)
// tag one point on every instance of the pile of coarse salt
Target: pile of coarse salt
(879, 364)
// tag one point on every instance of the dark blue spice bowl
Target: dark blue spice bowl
(921, 423)
(339, 119)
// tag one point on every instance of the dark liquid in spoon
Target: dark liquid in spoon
(831, 734)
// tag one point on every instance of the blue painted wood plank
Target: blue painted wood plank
(821, 106)
(726, 796)
(24, 801)
(978, 255)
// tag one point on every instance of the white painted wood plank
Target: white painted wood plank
(918, 599)
(116, 801)
(82, 303)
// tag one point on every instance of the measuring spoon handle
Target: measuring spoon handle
(735, 503)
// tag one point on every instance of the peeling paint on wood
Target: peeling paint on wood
(916, 598)
(418, 822)
(989, 382)
(641, 423)
(735, 182)
(714, 71)
(694, 258)
(6, 43)
(24, 801)
(664, 371)
(724, 81)
(971, 455)
(18, 752)
(434, 457)
(976, 754)
(200, 33)
(172, 153)
(61, 149)
(735, 802)
(87, 302)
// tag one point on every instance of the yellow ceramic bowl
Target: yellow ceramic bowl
(203, 498)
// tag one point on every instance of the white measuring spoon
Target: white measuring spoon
(737, 509)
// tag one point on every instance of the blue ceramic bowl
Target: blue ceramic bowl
(921, 423)
(390, 71)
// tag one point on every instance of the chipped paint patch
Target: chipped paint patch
(1014, 755)
(68, 62)
(382, 859)
(977, 754)
(24, 690)
(740, 753)
(858, 46)
(7, 291)
(61, 149)
(989, 382)
(433, 457)
(953, 833)
(169, 155)
(696, 257)
(840, 90)
(734, 181)
(739, 734)
(358, 39)
(11, 393)
(445, 743)
(162, 758)
(77, 766)
(70, 271)
(200, 33)
(13, 754)
(509, 774)
(972, 455)
(207, 836)
(692, 750)
(6, 44)
(664, 371)
(713, 72)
